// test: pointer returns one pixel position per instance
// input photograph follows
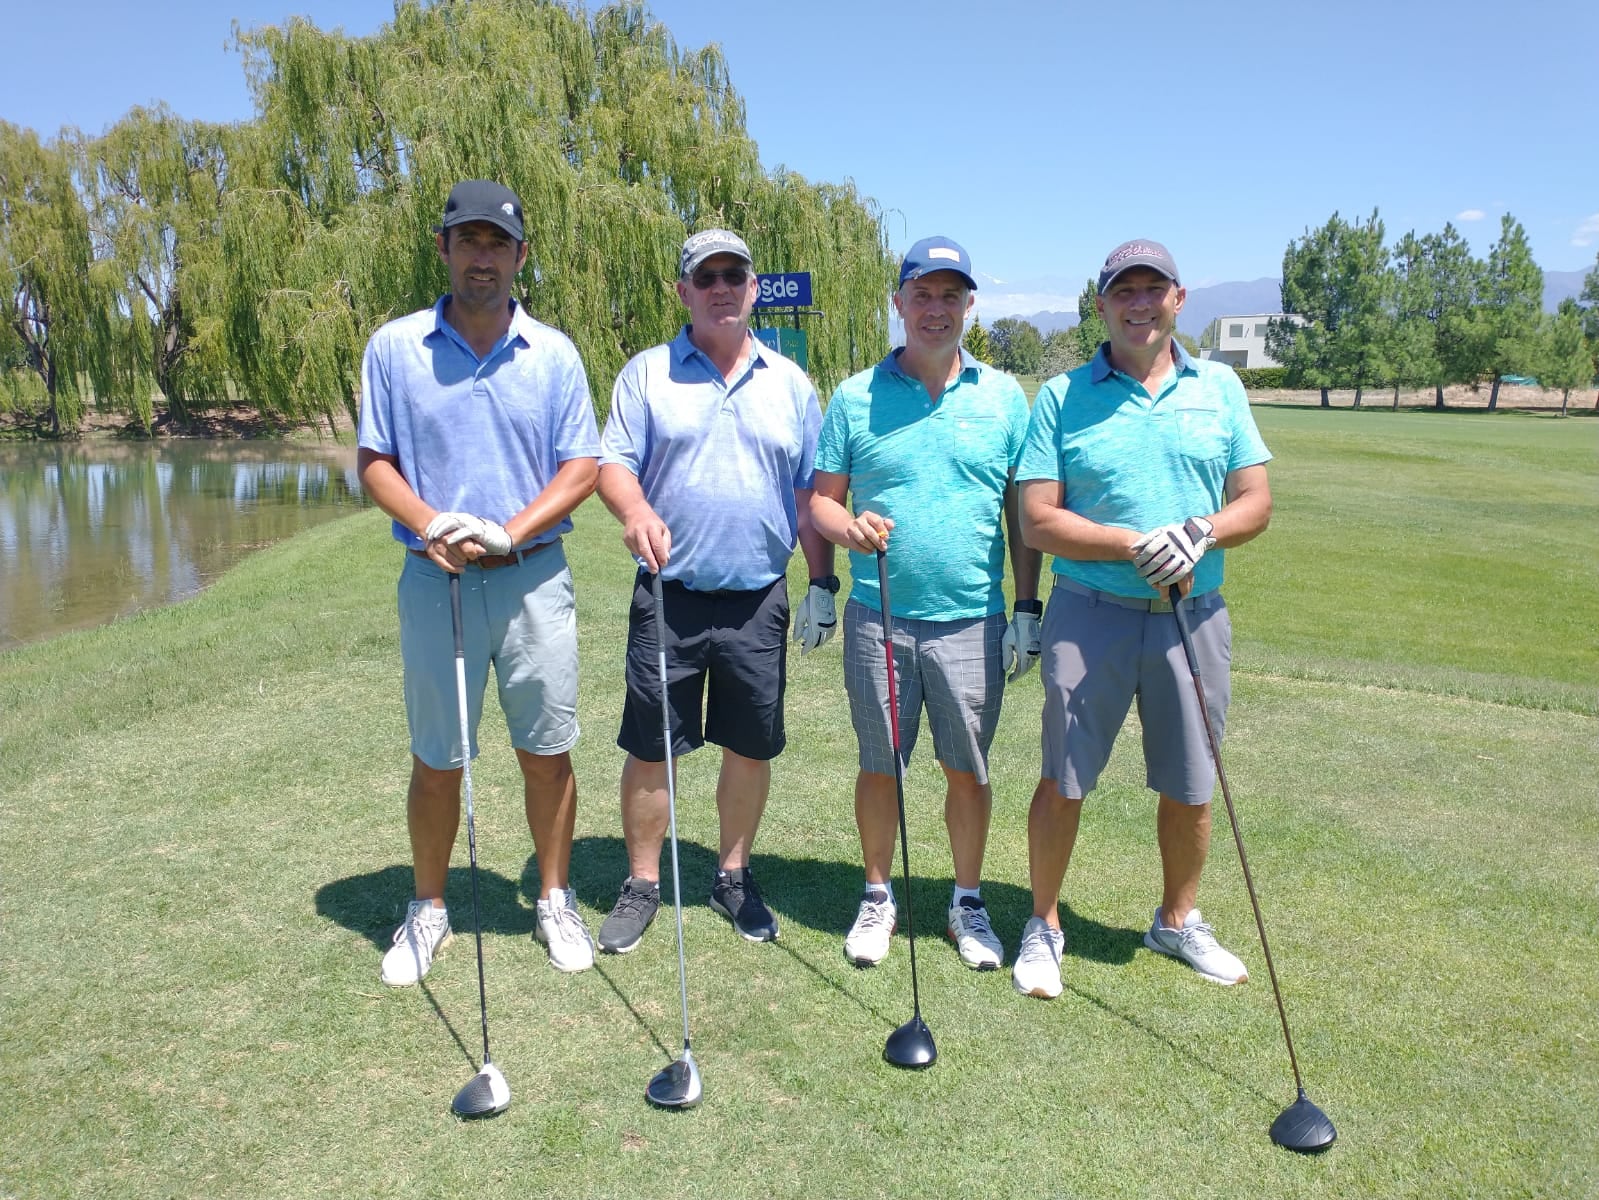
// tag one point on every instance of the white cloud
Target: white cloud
(1471, 214)
(1586, 232)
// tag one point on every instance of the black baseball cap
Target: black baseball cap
(483, 200)
(1140, 252)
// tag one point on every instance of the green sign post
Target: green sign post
(787, 341)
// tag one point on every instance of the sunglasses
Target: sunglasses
(734, 277)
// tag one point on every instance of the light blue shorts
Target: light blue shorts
(520, 618)
(1098, 655)
(951, 667)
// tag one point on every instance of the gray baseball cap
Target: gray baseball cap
(709, 242)
(1140, 252)
(483, 200)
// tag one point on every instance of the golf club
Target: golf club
(676, 1085)
(911, 1045)
(487, 1093)
(1301, 1127)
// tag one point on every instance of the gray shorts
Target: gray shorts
(952, 667)
(520, 617)
(1098, 655)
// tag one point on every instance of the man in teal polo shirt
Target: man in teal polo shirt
(923, 447)
(1137, 463)
(478, 438)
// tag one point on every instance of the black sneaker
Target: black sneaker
(736, 897)
(635, 909)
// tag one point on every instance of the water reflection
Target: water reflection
(92, 531)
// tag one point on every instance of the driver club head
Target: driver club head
(485, 1095)
(677, 1085)
(911, 1045)
(1303, 1128)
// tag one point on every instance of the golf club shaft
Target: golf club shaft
(1232, 819)
(899, 771)
(466, 783)
(671, 794)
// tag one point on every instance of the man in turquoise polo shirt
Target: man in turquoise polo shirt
(478, 438)
(1137, 464)
(923, 447)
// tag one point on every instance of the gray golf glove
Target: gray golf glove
(1018, 651)
(1165, 555)
(457, 527)
(818, 619)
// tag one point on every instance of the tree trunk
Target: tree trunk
(1438, 396)
(1396, 397)
(1493, 395)
(1565, 399)
(1324, 401)
(1359, 388)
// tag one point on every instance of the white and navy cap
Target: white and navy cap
(484, 200)
(936, 254)
(710, 242)
(1140, 252)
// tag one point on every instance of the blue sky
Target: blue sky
(1038, 134)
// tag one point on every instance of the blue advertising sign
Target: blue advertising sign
(789, 342)
(790, 290)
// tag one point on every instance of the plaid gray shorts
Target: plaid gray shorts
(949, 667)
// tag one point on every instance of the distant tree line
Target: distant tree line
(169, 266)
(1016, 345)
(1424, 313)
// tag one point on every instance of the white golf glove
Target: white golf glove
(818, 619)
(1165, 555)
(1019, 650)
(457, 527)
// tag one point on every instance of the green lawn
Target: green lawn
(202, 850)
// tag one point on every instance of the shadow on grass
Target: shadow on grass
(373, 904)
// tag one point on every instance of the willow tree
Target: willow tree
(153, 185)
(48, 308)
(618, 142)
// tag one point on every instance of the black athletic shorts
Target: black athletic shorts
(735, 640)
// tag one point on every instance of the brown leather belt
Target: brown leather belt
(488, 562)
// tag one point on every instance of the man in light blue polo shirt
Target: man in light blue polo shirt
(706, 462)
(478, 438)
(1137, 464)
(923, 446)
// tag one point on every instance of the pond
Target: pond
(94, 530)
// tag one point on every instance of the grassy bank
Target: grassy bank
(204, 852)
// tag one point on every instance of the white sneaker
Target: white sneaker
(974, 936)
(1036, 971)
(866, 945)
(561, 928)
(424, 932)
(1195, 943)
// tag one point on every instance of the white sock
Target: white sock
(961, 894)
(886, 887)
(557, 898)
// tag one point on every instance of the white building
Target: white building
(1241, 341)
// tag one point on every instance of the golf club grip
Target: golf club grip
(455, 614)
(1176, 597)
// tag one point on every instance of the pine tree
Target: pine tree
(975, 341)
(1511, 306)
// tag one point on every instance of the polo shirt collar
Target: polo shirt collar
(890, 363)
(1099, 368)
(522, 326)
(683, 349)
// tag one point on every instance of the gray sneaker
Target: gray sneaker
(635, 909)
(735, 896)
(1036, 971)
(1195, 943)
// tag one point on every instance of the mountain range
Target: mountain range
(1051, 304)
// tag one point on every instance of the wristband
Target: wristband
(1031, 607)
(828, 583)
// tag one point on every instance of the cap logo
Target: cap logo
(508, 209)
(1127, 252)
(944, 252)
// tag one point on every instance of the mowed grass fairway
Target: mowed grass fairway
(203, 852)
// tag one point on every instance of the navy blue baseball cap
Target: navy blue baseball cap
(484, 200)
(1140, 252)
(936, 254)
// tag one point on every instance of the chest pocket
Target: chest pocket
(1201, 434)
(976, 440)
